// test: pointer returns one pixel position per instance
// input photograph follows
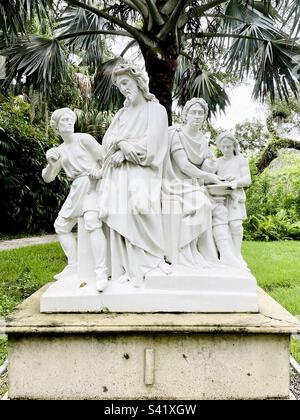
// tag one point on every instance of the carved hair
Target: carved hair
(58, 114)
(190, 104)
(138, 75)
(228, 136)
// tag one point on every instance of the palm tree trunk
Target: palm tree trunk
(161, 70)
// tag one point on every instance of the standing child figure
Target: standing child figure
(234, 168)
(80, 156)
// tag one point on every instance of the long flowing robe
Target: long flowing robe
(189, 192)
(130, 195)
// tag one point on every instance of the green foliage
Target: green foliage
(274, 201)
(66, 93)
(252, 137)
(28, 204)
(90, 120)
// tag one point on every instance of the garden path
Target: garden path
(21, 243)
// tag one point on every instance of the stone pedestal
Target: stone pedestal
(149, 356)
(217, 290)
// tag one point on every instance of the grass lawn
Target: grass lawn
(276, 266)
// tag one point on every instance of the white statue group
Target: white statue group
(151, 197)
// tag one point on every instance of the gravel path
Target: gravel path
(3, 385)
(21, 243)
(295, 384)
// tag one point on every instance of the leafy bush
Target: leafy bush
(252, 137)
(90, 120)
(27, 203)
(273, 202)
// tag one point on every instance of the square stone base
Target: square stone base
(149, 356)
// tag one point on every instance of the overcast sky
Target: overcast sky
(243, 108)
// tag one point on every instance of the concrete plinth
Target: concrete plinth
(149, 356)
(217, 290)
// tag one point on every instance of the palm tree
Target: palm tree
(187, 45)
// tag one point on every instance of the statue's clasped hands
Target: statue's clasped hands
(117, 159)
(129, 152)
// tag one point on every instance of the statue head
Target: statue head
(228, 144)
(130, 79)
(195, 112)
(63, 120)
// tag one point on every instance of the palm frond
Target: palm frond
(290, 10)
(277, 70)
(76, 21)
(270, 56)
(105, 93)
(242, 55)
(15, 14)
(237, 13)
(10, 20)
(40, 60)
(192, 81)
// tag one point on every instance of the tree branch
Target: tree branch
(169, 7)
(98, 32)
(156, 16)
(171, 23)
(223, 35)
(136, 33)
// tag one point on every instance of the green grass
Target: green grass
(276, 266)
(24, 271)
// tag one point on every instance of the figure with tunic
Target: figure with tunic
(81, 158)
(184, 184)
(234, 168)
(135, 146)
(190, 166)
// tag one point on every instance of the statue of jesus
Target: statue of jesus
(135, 146)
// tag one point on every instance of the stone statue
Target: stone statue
(171, 212)
(189, 168)
(81, 157)
(184, 182)
(135, 146)
(234, 168)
